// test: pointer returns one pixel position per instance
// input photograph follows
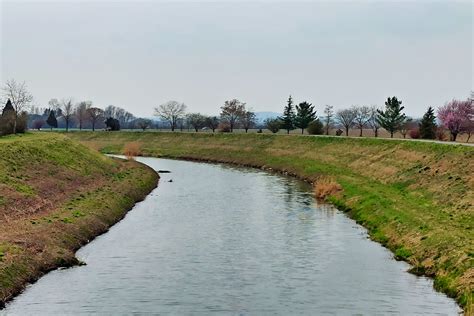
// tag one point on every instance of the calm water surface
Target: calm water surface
(232, 241)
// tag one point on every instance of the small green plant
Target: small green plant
(402, 253)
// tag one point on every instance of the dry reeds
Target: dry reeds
(131, 150)
(325, 187)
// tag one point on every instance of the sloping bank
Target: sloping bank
(55, 196)
(415, 198)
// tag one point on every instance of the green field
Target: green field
(55, 196)
(415, 198)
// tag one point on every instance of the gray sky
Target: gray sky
(138, 54)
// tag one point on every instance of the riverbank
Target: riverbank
(415, 198)
(55, 196)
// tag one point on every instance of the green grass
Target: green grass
(416, 198)
(57, 195)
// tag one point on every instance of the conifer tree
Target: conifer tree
(428, 125)
(288, 118)
(392, 118)
(305, 114)
(52, 121)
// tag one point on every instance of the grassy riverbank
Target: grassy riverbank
(55, 196)
(415, 198)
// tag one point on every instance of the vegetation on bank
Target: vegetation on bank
(414, 198)
(55, 196)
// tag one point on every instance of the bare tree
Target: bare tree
(346, 118)
(328, 114)
(171, 112)
(94, 115)
(81, 112)
(212, 122)
(127, 119)
(143, 123)
(232, 112)
(362, 116)
(373, 122)
(248, 120)
(67, 111)
(407, 125)
(19, 96)
(196, 120)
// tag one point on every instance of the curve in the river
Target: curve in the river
(233, 241)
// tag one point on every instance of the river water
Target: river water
(225, 240)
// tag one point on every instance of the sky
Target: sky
(139, 54)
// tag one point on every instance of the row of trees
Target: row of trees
(456, 116)
(80, 115)
(233, 115)
(19, 113)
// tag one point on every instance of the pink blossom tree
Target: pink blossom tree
(456, 116)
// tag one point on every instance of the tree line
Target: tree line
(456, 116)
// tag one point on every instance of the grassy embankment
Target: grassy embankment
(56, 195)
(417, 199)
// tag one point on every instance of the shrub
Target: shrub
(131, 150)
(224, 127)
(440, 135)
(273, 125)
(325, 187)
(415, 133)
(7, 121)
(315, 128)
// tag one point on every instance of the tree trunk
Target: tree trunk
(376, 132)
(14, 123)
(391, 134)
(454, 136)
(302, 131)
(67, 126)
(347, 131)
(246, 130)
(93, 126)
(360, 135)
(288, 131)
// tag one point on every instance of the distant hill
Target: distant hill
(262, 116)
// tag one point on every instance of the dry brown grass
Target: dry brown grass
(132, 149)
(326, 187)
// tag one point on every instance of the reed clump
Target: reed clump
(325, 187)
(132, 149)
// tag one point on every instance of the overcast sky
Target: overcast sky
(139, 54)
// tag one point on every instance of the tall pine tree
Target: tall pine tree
(392, 118)
(428, 125)
(52, 121)
(288, 118)
(305, 114)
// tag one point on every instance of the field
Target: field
(415, 198)
(56, 195)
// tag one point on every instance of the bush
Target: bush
(131, 150)
(415, 133)
(224, 127)
(325, 187)
(440, 135)
(315, 128)
(273, 125)
(7, 121)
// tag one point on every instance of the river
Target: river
(226, 240)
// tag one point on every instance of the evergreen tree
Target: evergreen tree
(288, 118)
(8, 107)
(392, 118)
(52, 122)
(305, 114)
(428, 125)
